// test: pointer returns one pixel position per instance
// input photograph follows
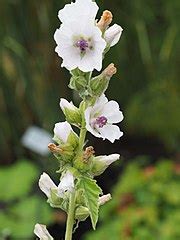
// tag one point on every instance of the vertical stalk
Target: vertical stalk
(70, 218)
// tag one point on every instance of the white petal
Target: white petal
(46, 184)
(41, 231)
(108, 159)
(111, 112)
(105, 198)
(62, 131)
(65, 104)
(113, 34)
(110, 132)
(66, 184)
(78, 10)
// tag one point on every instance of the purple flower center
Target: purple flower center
(82, 44)
(101, 121)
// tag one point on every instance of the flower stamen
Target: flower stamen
(82, 44)
(101, 121)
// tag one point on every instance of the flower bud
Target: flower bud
(41, 231)
(105, 20)
(81, 213)
(99, 84)
(105, 198)
(100, 163)
(71, 112)
(62, 131)
(113, 34)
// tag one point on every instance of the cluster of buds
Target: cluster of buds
(82, 42)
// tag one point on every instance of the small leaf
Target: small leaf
(91, 194)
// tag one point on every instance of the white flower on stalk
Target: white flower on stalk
(79, 41)
(42, 232)
(113, 34)
(66, 184)
(100, 118)
(77, 10)
(62, 131)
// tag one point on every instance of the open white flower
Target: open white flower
(42, 232)
(66, 184)
(113, 34)
(79, 41)
(62, 131)
(100, 118)
(78, 10)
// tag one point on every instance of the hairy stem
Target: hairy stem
(70, 218)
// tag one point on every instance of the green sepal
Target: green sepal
(81, 213)
(73, 140)
(55, 201)
(81, 164)
(91, 193)
(97, 167)
(98, 85)
(73, 116)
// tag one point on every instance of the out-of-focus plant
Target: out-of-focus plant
(20, 208)
(145, 204)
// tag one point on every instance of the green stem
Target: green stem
(70, 218)
(83, 130)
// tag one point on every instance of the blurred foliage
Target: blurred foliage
(145, 204)
(20, 208)
(147, 58)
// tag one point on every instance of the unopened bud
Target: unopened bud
(104, 199)
(110, 70)
(105, 20)
(99, 84)
(81, 213)
(113, 34)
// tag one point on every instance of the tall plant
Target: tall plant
(82, 43)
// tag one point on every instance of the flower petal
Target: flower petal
(66, 184)
(42, 232)
(62, 131)
(46, 184)
(110, 132)
(112, 112)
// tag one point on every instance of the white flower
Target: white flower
(65, 104)
(113, 34)
(78, 10)
(46, 184)
(104, 199)
(62, 131)
(66, 184)
(41, 231)
(79, 40)
(100, 118)
(107, 160)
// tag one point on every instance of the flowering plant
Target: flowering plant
(82, 43)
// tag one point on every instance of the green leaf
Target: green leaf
(91, 194)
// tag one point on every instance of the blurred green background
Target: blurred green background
(145, 182)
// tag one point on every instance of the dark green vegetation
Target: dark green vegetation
(145, 204)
